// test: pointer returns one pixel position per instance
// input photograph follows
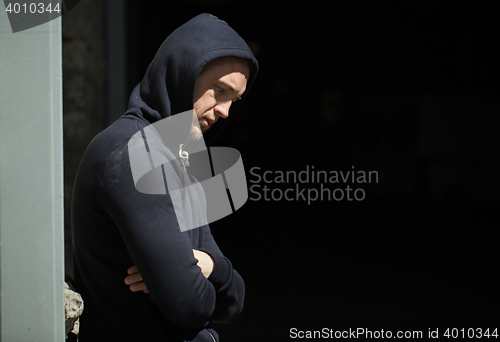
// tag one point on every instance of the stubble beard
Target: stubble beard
(196, 132)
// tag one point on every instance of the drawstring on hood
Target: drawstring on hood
(184, 157)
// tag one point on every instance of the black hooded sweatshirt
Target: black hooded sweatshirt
(115, 226)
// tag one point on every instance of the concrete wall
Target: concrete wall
(84, 95)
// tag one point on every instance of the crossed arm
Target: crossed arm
(136, 283)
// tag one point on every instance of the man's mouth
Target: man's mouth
(208, 122)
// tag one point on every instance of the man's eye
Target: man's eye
(219, 89)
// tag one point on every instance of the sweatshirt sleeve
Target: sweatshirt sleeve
(228, 283)
(162, 253)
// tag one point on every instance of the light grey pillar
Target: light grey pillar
(31, 183)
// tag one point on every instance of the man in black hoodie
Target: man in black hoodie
(203, 66)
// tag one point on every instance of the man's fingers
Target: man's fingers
(134, 278)
(132, 270)
(139, 287)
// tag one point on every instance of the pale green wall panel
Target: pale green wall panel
(31, 178)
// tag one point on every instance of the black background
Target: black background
(406, 88)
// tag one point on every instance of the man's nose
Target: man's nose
(222, 108)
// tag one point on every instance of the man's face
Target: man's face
(220, 83)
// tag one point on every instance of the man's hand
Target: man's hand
(134, 279)
(205, 262)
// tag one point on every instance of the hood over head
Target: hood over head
(169, 83)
